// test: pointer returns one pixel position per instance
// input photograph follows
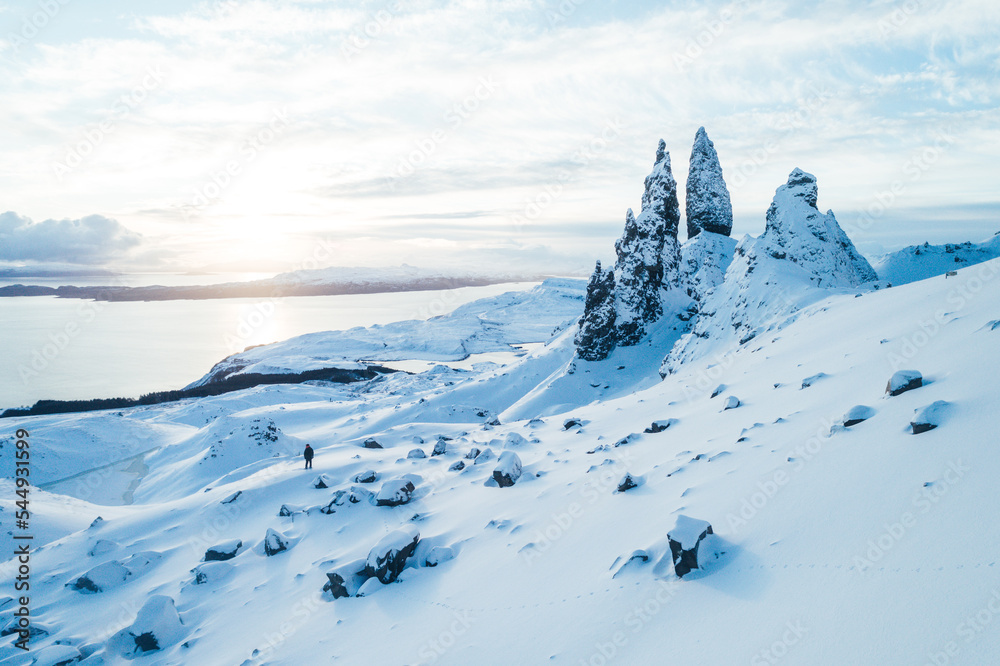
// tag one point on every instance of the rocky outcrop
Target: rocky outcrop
(648, 253)
(707, 203)
(388, 558)
(597, 336)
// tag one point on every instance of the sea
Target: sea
(72, 349)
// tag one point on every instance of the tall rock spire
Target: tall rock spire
(707, 205)
(597, 335)
(643, 268)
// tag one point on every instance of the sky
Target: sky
(490, 134)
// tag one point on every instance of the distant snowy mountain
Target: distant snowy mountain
(919, 262)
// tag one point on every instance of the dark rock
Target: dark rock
(508, 470)
(572, 423)
(457, 467)
(440, 448)
(388, 558)
(903, 381)
(473, 453)
(321, 482)
(232, 498)
(275, 542)
(224, 551)
(628, 482)
(929, 417)
(660, 426)
(857, 414)
(707, 203)
(684, 540)
(372, 443)
(395, 492)
(598, 336)
(368, 476)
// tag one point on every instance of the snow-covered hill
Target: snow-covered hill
(861, 544)
(919, 262)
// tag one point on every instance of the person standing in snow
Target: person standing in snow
(308, 454)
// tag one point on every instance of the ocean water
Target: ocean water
(68, 349)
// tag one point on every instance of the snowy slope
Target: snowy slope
(486, 325)
(861, 545)
(919, 262)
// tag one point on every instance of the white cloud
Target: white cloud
(94, 239)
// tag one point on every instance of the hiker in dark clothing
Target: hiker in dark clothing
(308, 456)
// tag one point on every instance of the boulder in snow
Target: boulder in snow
(514, 440)
(660, 426)
(440, 448)
(102, 546)
(372, 443)
(157, 626)
(684, 540)
(857, 414)
(345, 581)
(809, 381)
(437, 555)
(485, 456)
(232, 498)
(628, 482)
(457, 466)
(388, 558)
(223, 551)
(103, 577)
(416, 454)
(572, 423)
(929, 417)
(275, 542)
(472, 454)
(508, 470)
(289, 509)
(395, 492)
(367, 476)
(903, 381)
(321, 482)
(732, 402)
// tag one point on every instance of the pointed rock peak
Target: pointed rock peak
(803, 184)
(661, 152)
(707, 205)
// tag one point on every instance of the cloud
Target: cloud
(94, 239)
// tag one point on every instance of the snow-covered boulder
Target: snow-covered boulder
(372, 443)
(388, 558)
(440, 448)
(322, 482)
(659, 426)
(345, 581)
(437, 555)
(287, 510)
(514, 440)
(485, 456)
(929, 417)
(457, 466)
(416, 454)
(275, 542)
(367, 476)
(395, 492)
(597, 335)
(223, 551)
(684, 540)
(628, 482)
(210, 572)
(102, 546)
(707, 203)
(157, 626)
(508, 469)
(232, 498)
(732, 402)
(812, 379)
(473, 453)
(903, 381)
(857, 414)
(104, 576)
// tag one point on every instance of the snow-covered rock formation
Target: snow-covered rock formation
(707, 203)
(800, 256)
(597, 335)
(648, 253)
